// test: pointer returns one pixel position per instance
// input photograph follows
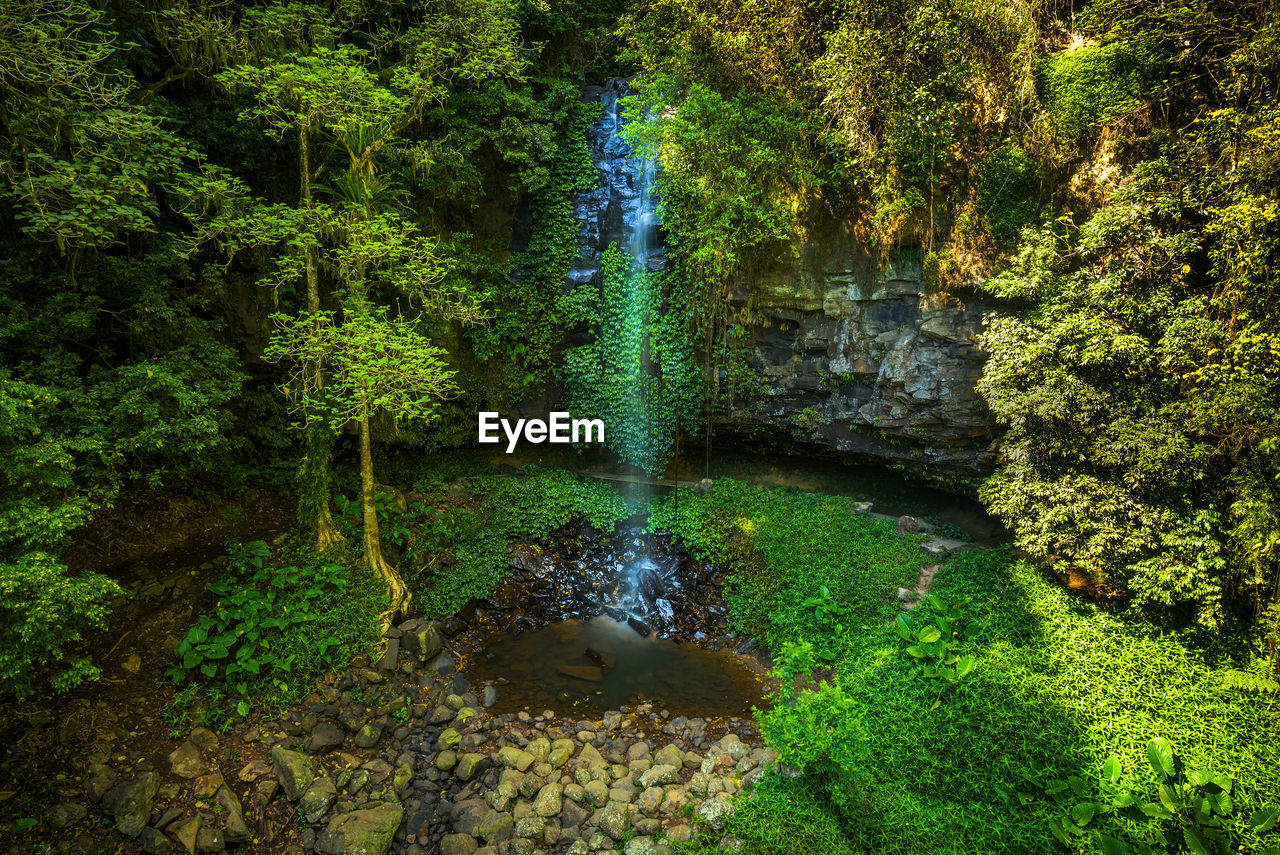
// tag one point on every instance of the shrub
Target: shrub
(1085, 87)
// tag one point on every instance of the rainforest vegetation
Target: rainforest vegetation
(291, 247)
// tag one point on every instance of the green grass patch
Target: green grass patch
(804, 566)
(900, 757)
(782, 817)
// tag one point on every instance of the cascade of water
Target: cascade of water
(639, 223)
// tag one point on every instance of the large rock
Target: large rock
(326, 737)
(295, 770)
(549, 800)
(660, 775)
(187, 761)
(422, 639)
(234, 828)
(458, 844)
(318, 798)
(130, 803)
(615, 819)
(471, 765)
(495, 827)
(361, 832)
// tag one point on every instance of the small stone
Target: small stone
(515, 758)
(207, 785)
(65, 814)
(368, 736)
(488, 697)
(210, 840)
(326, 737)
(531, 826)
(187, 832)
(154, 842)
(669, 755)
(98, 781)
(659, 776)
(446, 760)
(448, 738)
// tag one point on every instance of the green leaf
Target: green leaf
(1083, 813)
(1112, 846)
(1168, 798)
(902, 626)
(1111, 769)
(930, 634)
(191, 660)
(1160, 754)
(965, 666)
(1264, 819)
(243, 708)
(1195, 840)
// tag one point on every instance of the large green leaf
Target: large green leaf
(1195, 841)
(1264, 819)
(930, 634)
(1083, 813)
(1160, 754)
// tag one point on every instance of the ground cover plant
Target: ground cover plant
(1059, 695)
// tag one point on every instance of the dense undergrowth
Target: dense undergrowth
(897, 759)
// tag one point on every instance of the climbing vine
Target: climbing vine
(640, 374)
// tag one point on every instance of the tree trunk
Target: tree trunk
(314, 500)
(398, 594)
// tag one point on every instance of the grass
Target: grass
(1060, 686)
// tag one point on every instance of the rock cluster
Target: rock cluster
(404, 757)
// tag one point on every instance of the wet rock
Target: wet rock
(187, 762)
(531, 826)
(589, 673)
(361, 832)
(391, 657)
(669, 755)
(444, 665)
(296, 772)
(911, 525)
(488, 697)
(446, 760)
(130, 803)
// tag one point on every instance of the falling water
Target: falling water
(630, 218)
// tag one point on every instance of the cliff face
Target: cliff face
(843, 353)
(860, 357)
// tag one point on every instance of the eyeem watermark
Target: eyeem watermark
(557, 428)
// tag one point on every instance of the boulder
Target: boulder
(549, 800)
(421, 639)
(130, 803)
(615, 819)
(471, 765)
(295, 770)
(318, 798)
(326, 737)
(361, 832)
(660, 776)
(458, 844)
(496, 827)
(154, 842)
(187, 761)
(187, 832)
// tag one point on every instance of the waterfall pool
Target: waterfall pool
(591, 666)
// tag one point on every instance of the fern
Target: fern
(1248, 681)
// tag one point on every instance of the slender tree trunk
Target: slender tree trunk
(398, 593)
(314, 501)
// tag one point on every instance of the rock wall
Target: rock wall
(857, 356)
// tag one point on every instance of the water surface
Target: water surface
(621, 668)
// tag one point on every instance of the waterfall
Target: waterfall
(622, 210)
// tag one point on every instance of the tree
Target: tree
(375, 365)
